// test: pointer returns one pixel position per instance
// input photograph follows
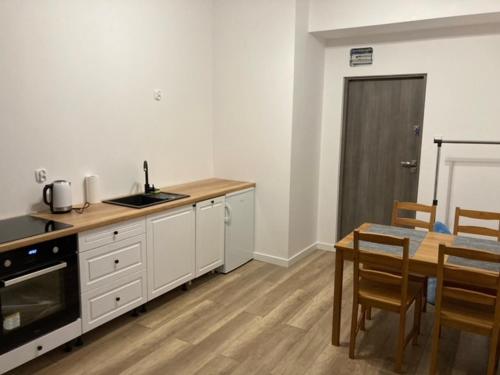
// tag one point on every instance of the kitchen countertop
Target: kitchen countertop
(101, 214)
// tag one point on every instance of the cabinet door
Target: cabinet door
(209, 235)
(170, 249)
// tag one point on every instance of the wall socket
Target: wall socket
(40, 175)
(157, 94)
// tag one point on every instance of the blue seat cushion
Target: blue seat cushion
(439, 227)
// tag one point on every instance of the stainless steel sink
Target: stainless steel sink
(145, 200)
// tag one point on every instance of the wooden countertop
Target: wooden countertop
(101, 214)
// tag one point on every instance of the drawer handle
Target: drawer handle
(213, 202)
(118, 299)
(115, 233)
(39, 347)
(117, 261)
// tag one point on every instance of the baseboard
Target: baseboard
(301, 254)
(284, 262)
(325, 246)
(279, 261)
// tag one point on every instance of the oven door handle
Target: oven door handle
(32, 275)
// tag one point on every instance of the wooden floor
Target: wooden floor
(259, 319)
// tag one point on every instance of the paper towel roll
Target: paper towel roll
(92, 189)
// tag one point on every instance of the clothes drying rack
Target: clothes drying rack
(439, 142)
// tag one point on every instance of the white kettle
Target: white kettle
(59, 199)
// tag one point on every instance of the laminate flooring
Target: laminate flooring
(259, 319)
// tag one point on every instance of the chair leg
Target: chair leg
(496, 359)
(354, 328)
(498, 355)
(436, 336)
(424, 305)
(400, 350)
(492, 357)
(417, 316)
(362, 326)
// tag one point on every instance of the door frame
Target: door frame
(345, 96)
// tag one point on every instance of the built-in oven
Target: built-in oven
(39, 290)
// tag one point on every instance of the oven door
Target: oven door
(37, 301)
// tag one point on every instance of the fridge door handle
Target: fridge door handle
(227, 217)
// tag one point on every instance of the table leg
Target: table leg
(337, 296)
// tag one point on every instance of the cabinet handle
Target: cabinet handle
(39, 347)
(227, 219)
(118, 299)
(213, 202)
(115, 233)
(117, 261)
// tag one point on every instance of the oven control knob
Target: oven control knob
(7, 263)
(55, 249)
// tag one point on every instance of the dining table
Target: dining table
(424, 248)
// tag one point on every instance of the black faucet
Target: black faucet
(147, 188)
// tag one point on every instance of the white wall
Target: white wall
(341, 14)
(76, 81)
(461, 103)
(306, 133)
(253, 96)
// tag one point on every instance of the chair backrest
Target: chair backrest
(466, 284)
(375, 261)
(410, 222)
(474, 229)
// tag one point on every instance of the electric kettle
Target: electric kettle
(59, 197)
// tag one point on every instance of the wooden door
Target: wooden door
(209, 235)
(170, 249)
(382, 135)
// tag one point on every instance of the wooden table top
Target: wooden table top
(425, 259)
(101, 214)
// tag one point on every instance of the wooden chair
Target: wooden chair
(460, 303)
(472, 229)
(415, 223)
(411, 222)
(405, 222)
(391, 291)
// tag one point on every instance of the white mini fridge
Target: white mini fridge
(239, 230)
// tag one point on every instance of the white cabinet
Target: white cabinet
(124, 265)
(170, 249)
(209, 235)
(112, 271)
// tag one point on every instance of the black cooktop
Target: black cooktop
(20, 227)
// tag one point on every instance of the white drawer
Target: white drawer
(210, 202)
(103, 304)
(111, 233)
(39, 346)
(99, 267)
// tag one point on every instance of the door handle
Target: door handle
(32, 275)
(227, 218)
(409, 164)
